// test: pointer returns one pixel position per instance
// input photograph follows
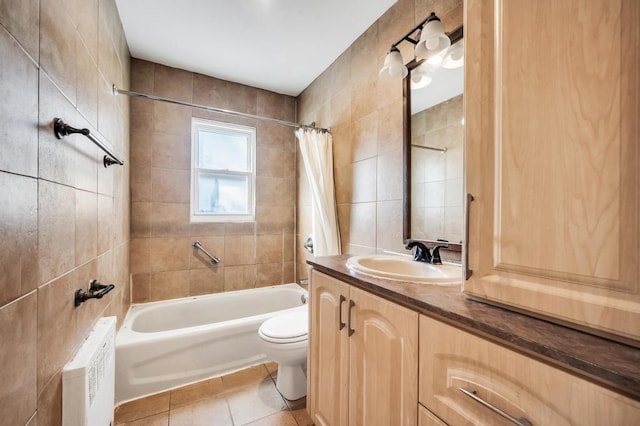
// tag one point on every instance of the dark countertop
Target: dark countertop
(605, 362)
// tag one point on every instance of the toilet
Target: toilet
(284, 340)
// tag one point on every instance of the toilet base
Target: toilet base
(292, 381)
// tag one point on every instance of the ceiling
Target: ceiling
(277, 45)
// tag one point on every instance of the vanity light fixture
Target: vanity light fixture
(394, 67)
(433, 40)
(432, 49)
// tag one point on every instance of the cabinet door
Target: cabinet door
(328, 361)
(453, 361)
(552, 156)
(383, 362)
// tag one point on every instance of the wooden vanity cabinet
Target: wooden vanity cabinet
(552, 160)
(453, 362)
(363, 357)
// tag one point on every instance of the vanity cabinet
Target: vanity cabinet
(552, 160)
(462, 374)
(363, 357)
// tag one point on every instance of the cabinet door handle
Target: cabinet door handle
(342, 323)
(520, 421)
(351, 305)
(467, 272)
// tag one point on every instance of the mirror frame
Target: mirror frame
(455, 36)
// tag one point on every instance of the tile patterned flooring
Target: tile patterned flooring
(247, 397)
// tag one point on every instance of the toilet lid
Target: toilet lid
(292, 326)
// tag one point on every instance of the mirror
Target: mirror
(433, 147)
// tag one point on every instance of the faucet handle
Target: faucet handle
(435, 259)
(420, 251)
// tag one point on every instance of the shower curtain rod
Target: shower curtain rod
(117, 91)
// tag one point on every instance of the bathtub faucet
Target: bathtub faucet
(214, 259)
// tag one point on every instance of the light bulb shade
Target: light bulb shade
(454, 58)
(433, 40)
(420, 77)
(393, 68)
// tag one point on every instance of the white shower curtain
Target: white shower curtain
(317, 155)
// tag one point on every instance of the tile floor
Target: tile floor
(247, 397)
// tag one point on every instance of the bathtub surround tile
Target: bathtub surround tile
(21, 18)
(19, 242)
(168, 285)
(19, 87)
(163, 151)
(86, 232)
(60, 323)
(240, 250)
(268, 274)
(56, 157)
(239, 277)
(171, 151)
(57, 204)
(57, 44)
(269, 248)
(140, 219)
(170, 186)
(87, 84)
(140, 288)
(56, 233)
(173, 83)
(50, 402)
(18, 390)
(206, 281)
(141, 255)
(169, 254)
(169, 219)
(289, 272)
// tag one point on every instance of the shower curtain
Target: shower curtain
(317, 155)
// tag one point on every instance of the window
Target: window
(222, 172)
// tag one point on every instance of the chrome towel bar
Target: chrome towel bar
(214, 259)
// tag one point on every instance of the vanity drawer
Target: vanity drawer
(427, 418)
(466, 380)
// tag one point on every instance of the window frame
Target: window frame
(201, 124)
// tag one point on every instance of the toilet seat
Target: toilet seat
(290, 327)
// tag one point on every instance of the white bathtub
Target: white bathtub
(167, 344)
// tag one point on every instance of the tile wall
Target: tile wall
(437, 178)
(163, 262)
(64, 218)
(365, 116)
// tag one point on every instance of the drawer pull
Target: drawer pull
(342, 323)
(467, 272)
(520, 421)
(351, 305)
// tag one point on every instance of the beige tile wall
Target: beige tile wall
(365, 116)
(437, 178)
(64, 218)
(163, 261)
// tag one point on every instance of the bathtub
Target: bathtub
(167, 344)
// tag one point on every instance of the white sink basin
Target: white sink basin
(405, 269)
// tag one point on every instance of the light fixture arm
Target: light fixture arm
(454, 35)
